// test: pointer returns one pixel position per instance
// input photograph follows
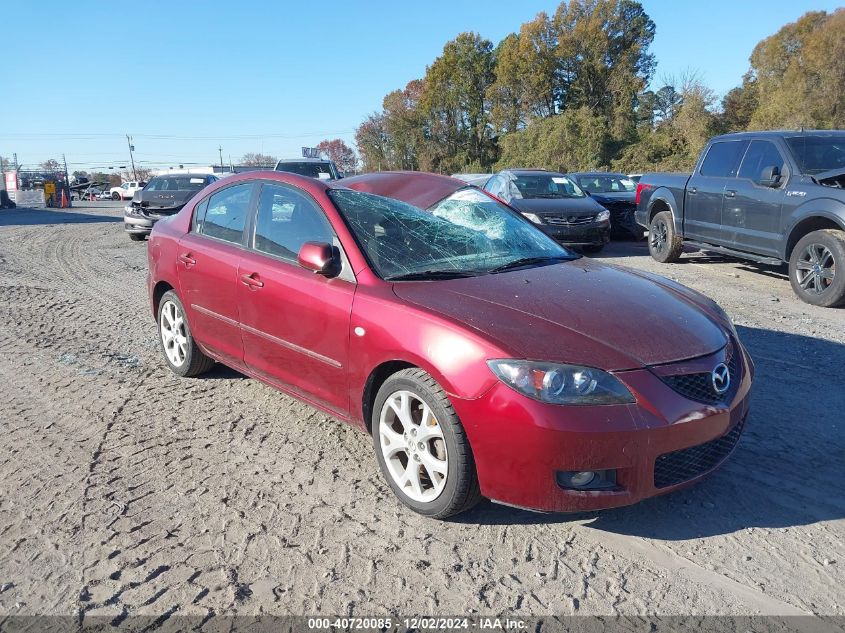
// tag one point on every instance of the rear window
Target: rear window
(177, 183)
(722, 159)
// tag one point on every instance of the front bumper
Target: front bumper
(520, 444)
(593, 234)
(141, 222)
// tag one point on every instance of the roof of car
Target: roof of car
(418, 188)
(778, 134)
(597, 174)
(524, 171)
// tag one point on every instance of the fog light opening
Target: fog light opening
(586, 479)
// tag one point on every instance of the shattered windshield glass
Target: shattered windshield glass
(466, 234)
(546, 186)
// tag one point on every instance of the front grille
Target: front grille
(568, 220)
(680, 466)
(699, 387)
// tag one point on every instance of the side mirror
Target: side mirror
(770, 176)
(319, 257)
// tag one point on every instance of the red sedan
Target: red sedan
(485, 359)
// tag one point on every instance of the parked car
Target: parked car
(616, 193)
(318, 168)
(484, 358)
(768, 197)
(555, 204)
(162, 196)
(103, 195)
(126, 190)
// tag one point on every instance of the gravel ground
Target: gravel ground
(125, 490)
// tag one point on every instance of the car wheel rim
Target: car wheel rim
(659, 236)
(173, 334)
(411, 441)
(815, 268)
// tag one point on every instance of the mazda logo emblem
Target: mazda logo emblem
(721, 378)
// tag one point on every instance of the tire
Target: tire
(593, 248)
(817, 268)
(116, 196)
(185, 359)
(445, 475)
(664, 244)
(137, 237)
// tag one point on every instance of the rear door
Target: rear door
(208, 270)
(752, 210)
(295, 323)
(705, 192)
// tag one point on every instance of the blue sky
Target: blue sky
(185, 77)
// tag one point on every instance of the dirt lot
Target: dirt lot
(125, 490)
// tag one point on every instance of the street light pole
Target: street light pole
(220, 149)
(131, 157)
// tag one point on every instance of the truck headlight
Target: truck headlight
(561, 384)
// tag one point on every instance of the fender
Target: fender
(665, 195)
(826, 208)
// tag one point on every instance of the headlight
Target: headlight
(561, 384)
(533, 217)
(603, 216)
(129, 209)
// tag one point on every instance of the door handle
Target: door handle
(730, 194)
(252, 281)
(692, 190)
(186, 259)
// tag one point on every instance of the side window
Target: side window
(722, 159)
(760, 155)
(225, 216)
(493, 185)
(286, 220)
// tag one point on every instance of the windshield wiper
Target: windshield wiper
(431, 274)
(529, 261)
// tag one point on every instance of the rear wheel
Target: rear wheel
(421, 446)
(664, 244)
(115, 196)
(181, 352)
(817, 268)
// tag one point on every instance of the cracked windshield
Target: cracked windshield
(466, 234)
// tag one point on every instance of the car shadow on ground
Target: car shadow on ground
(27, 217)
(786, 470)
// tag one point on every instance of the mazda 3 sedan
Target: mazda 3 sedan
(485, 359)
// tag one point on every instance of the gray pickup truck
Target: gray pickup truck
(768, 197)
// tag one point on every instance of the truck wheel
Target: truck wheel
(817, 268)
(663, 243)
(115, 196)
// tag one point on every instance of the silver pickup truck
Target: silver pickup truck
(768, 197)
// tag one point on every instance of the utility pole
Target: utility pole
(220, 149)
(131, 157)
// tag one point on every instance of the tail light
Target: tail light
(640, 187)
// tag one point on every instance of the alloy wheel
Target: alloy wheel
(173, 334)
(411, 441)
(815, 268)
(659, 236)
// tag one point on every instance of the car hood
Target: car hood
(556, 206)
(578, 312)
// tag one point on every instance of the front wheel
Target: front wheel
(137, 237)
(664, 244)
(421, 446)
(181, 352)
(817, 268)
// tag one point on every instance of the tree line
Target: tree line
(570, 91)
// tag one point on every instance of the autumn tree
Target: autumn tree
(798, 76)
(51, 164)
(372, 142)
(339, 152)
(259, 160)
